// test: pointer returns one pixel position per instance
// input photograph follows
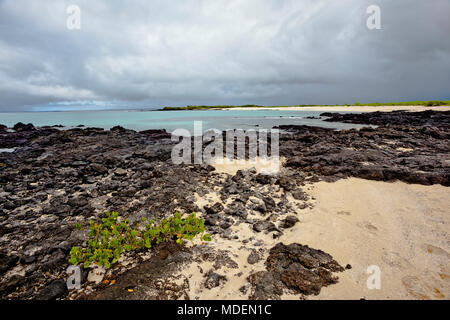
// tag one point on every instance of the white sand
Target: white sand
(237, 251)
(353, 108)
(403, 229)
(262, 165)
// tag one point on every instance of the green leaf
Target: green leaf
(206, 237)
(109, 239)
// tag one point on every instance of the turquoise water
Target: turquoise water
(171, 120)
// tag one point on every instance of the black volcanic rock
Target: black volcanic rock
(295, 267)
(422, 118)
(264, 226)
(407, 146)
(55, 289)
(18, 127)
(216, 208)
(7, 262)
(289, 222)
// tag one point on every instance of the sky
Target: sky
(150, 54)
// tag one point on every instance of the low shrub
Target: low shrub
(109, 239)
(434, 103)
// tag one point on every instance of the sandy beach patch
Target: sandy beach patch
(353, 108)
(401, 229)
(265, 166)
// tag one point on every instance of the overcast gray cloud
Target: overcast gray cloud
(155, 53)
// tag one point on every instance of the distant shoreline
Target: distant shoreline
(380, 106)
(355, 108)
(371, 107)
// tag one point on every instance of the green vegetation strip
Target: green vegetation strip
(431, 103)
(108, 240)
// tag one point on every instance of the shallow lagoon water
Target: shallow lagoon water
(171, 120)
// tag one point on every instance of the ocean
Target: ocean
(171, 120)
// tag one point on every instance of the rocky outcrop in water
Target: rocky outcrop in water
(440, 119)
(407, 146)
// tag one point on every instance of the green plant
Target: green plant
(109, 239)
(434, 103)
(404, 103)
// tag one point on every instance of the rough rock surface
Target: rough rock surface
(407, 146)
(150, 280)
(55, 179)
(294, 267)
(394, 118)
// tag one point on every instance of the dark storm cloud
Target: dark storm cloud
(148, 53)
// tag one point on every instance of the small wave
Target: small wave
(8, 150)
